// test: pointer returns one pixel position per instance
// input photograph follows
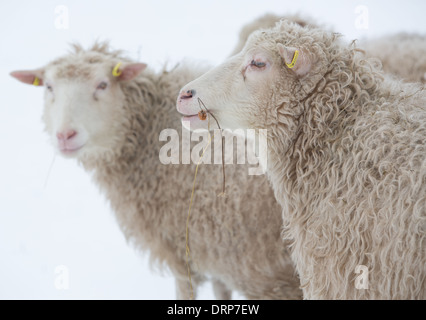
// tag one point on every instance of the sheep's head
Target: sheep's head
(261, 85)
(83, 110)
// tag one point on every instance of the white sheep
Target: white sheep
(346, 155)
(111, 125)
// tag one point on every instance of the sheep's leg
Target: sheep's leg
(183, 289)
(220, 290)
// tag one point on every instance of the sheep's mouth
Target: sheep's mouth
(70, 150)
(203, 119)
(189, 116)
(186, 114)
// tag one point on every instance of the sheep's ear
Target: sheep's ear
(34, 77)
(129, 71)
(295, 59)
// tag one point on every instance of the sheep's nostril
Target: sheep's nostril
(188, 94)
(70, 134)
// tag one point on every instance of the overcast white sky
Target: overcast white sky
(67, 222)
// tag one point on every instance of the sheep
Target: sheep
(402, 54)
(346, 156)
(111, 126)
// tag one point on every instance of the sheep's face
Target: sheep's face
(84, 102)
(232, 92)
(81, 114)
(257, 88)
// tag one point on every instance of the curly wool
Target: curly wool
(347, 160)
(234, 241)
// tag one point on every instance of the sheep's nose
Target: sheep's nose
(66, 135)
(188, 94)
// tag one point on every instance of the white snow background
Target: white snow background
(67, 221)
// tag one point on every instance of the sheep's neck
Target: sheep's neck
(298, 158)
(130, 175)
(133, 178)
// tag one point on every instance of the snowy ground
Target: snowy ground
(66, 221)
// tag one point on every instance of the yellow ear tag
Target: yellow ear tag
(115, 71)
(36, 81)
(293, 62)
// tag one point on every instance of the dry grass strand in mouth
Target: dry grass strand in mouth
(203, 116)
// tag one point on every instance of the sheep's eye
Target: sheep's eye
(257, 64)
(49, 87)
(102, 85)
